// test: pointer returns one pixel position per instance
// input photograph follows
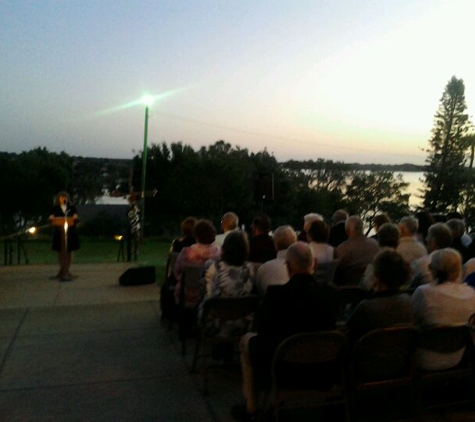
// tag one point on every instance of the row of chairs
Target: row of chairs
(380, 360)
(319, 370)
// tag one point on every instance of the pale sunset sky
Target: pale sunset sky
(348, 80)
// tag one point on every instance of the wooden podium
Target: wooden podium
(59, 221)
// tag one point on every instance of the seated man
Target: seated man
(457, 229)
(229, 222)
(261, 245)
(274, 271)
(337, 232)
(300, 305)
(355, 253)
(438, 237)
(447, 301)
(409, 247)
(308, 219)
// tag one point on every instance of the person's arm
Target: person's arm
(209, 275)
(419, 306)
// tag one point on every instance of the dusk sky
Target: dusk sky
(347, 80)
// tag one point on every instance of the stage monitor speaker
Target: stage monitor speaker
(138, 276)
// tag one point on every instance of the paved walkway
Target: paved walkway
(92, 350)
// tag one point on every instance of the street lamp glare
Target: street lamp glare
(148, 100)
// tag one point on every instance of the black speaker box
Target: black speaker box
(138, 276)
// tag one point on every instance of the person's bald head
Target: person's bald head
(354, 226)
(408, 226)
(446, 265)
(229, 221)
(284, 236)
(299, 259)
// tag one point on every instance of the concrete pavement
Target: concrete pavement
(92, 350)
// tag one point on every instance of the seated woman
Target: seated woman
(187, 226)
(317, 236)
(447, 301)
(167, 291)
(196, 254)
(230, 276)
(388, 238)
(387, 307)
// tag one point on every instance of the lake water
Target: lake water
(415, 185)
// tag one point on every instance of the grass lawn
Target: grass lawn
(152, 252)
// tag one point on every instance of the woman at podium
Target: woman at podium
(63, 218)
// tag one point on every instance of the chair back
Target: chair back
(325, 272)
(444, 339)
(308, 371)
(349, 276)
(471, 327)
(459, 377)
(384, 356)
(229, 308)
(171, 260)
(191, 285)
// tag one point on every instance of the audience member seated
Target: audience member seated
(229, 276)
(468, 268)
(447, 301)
(317, 236)
(274, 271)
(308, 219)
(438, 237)
(300, 305)
(378, 221)
(196, 254)
(338, 232)
(425, 220)
(229, 222)
(466, 238)
(409, 247)
(388, 238)
(187, 226)
(355, 253)
(387, 307)
(457, 229)
(261, 245)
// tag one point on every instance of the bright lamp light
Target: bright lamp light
(148, 100)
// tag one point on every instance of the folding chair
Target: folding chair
(453, 385)
(381, 361)
(167, 292)
(222, 309)
(308, 372)
(190, 287)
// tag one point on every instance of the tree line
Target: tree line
(221, 177)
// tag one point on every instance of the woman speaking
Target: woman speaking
(63, 218)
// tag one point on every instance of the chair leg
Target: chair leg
(205, 373)
(195, 356)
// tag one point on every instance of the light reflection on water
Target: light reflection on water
(415, 186)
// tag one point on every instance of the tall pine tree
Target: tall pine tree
(445, 175)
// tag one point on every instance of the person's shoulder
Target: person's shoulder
(372, 241)
(275, 291)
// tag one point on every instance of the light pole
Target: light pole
(147, 101)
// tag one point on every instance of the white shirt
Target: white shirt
(272, 272)
(411, 249)
(322, 252)
(449, 303)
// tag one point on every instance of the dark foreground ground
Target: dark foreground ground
(91, 350)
